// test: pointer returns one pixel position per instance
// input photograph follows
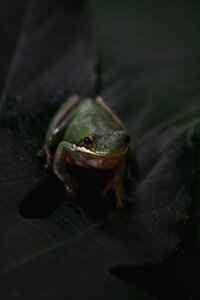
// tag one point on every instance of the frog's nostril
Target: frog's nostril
(127, 139)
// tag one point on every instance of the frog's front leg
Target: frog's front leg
(116, 184)
(61, 157)
(57, 128)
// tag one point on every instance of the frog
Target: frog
(86, 133)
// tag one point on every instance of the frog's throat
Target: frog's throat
(99, 154)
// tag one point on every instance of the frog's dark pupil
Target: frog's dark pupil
(87, 141)
(127, 140)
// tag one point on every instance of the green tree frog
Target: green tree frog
(87, 134)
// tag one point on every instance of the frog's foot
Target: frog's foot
(49, 158)
(40, 152)
(121, 197)
(69, 182)
(71, 188)
(71, 192)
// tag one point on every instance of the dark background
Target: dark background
(143, 57)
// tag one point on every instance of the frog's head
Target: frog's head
(102, 149)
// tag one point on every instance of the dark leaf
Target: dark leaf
(148, 80)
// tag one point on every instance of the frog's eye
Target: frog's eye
(88, 141)
(127, 140)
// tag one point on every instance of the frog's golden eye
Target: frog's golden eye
(127, 140)
(88, 141)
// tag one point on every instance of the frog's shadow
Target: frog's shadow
(51, 193)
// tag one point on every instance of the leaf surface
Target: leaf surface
(148, 80)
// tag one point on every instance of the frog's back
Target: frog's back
(89, 112)
(87, 106)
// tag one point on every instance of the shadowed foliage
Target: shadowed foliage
(52, 248)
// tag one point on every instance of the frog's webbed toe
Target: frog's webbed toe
(71, 187)
(121, 196)
(71, 192)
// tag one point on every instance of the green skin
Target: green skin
(106, 145)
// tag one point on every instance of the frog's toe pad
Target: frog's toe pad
(40, 152)
(71, 193)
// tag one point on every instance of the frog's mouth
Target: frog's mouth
(100, 160)
(99, 154)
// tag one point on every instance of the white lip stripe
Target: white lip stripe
(85, 150)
